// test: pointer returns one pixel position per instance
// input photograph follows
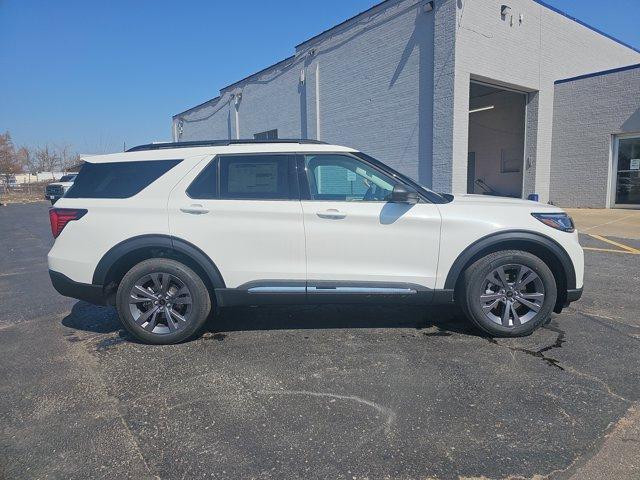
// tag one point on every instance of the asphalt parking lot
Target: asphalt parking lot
(315, 392)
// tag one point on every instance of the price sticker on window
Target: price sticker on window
(634, 164)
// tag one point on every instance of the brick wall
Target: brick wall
(587, 112)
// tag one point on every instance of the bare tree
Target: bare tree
(9, 164)
(46, 159)
(67, 158)
(26, 159)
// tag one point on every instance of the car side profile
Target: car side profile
(168, 233)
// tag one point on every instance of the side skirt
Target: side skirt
(279, 292)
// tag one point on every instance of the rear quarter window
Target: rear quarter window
(118, 179)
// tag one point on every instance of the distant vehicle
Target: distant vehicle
(56, 190)
(168, 233)
(10, 181)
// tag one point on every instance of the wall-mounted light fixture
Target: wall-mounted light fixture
(505, 10)
(482, 109)
(428, 6)
(302, 76)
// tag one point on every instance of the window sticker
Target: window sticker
(253, 177)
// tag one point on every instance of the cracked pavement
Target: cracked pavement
(313, 392)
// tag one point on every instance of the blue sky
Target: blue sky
(97, 74)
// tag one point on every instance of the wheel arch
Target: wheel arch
(119, 259)
(547, 249)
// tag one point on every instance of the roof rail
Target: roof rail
(218, 143)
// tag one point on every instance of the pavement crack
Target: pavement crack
(540, 353)
(93, 371)
(598, 380)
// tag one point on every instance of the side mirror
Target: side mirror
(403, 194)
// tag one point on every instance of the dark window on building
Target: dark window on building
(262, 177)
(118, 179)
(268, 135)
(205, 186)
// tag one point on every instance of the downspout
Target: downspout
(317, 101)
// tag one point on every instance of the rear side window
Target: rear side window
(118, 179)
(260, 177)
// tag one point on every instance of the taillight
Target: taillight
(59, 217)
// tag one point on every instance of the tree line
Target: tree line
(47, 158)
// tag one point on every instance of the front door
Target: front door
(627, 187)
(356, 240)
(244, 212)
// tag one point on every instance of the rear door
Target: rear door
(357, 241)
(244, 212)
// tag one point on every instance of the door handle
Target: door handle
(332, 213)
(195, 210)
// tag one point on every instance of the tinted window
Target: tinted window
(205, 186)
(344, 178)
(118, 179)
(264, 177)
(67, 178)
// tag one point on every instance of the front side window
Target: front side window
(260, 177)
(344, 178)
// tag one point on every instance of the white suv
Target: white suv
(165, 232)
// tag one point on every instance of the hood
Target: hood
(490, 200)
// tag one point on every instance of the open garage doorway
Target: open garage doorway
(497, 118)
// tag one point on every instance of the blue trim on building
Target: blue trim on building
(577, 20)
(598, 74)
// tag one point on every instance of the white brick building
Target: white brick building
(458, 94)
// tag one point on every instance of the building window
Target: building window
(268, 135)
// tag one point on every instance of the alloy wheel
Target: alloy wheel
(160, 303)
(512, 295)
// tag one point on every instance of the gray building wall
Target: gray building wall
(394, 82)
(212, 119)
(587, 113)
(374, 79)
(528, 55)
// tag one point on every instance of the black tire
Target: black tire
(475, 284)
(184, 287)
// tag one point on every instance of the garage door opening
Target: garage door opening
(496, 140)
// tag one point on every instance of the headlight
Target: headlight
(559, 221)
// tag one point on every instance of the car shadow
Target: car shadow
(92, 318)
(446, 320)
(433, 320)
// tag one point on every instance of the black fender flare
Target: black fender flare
(157, 241)
(521, 236)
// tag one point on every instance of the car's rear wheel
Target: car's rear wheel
(509, 293)
(162, 301)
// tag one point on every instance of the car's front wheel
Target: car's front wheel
(508, 293)
(162, 301)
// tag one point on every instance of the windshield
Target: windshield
(428, 193)
(67, 178)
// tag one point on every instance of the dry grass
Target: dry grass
(33, 192)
